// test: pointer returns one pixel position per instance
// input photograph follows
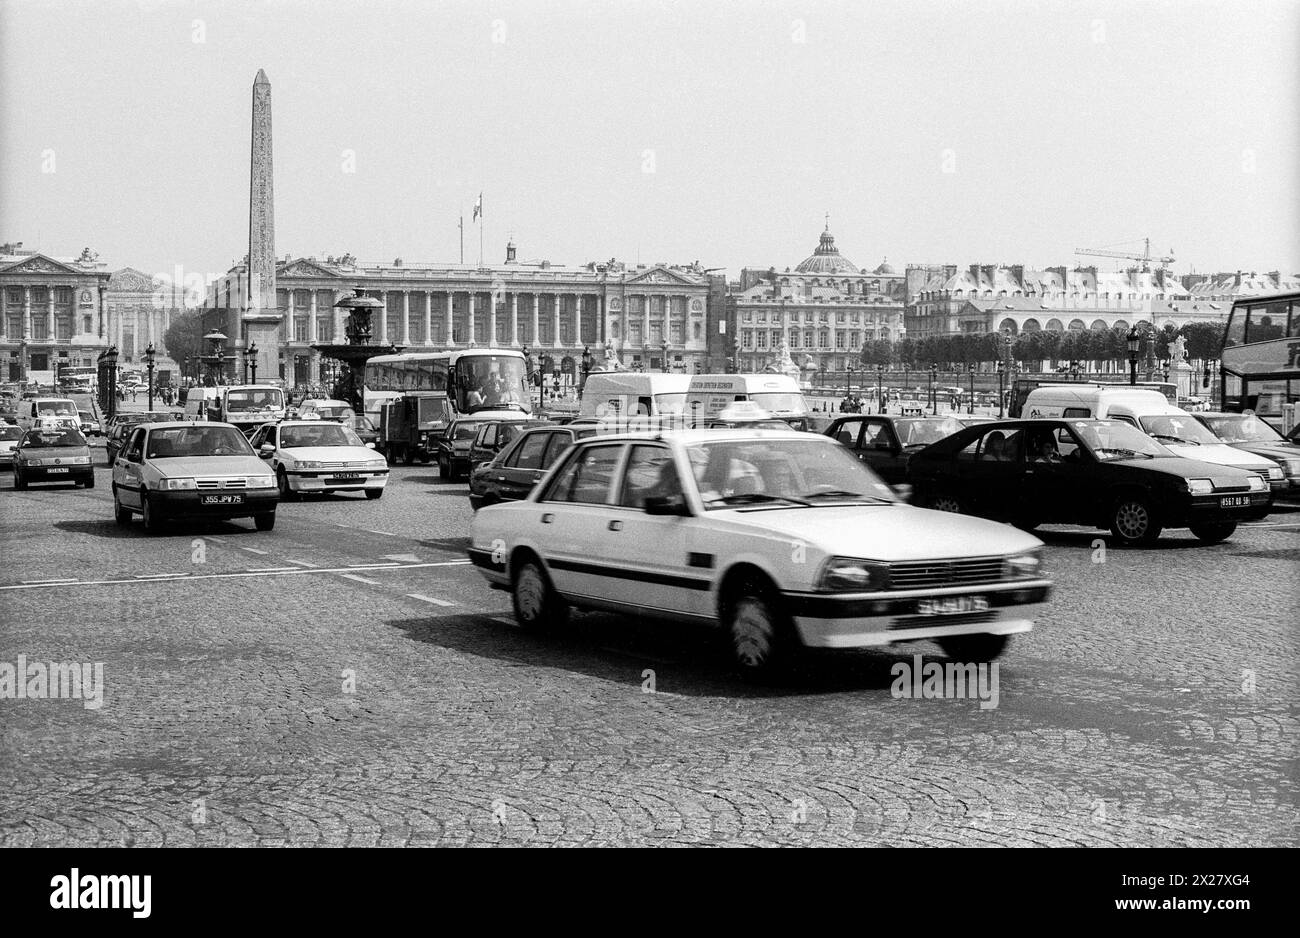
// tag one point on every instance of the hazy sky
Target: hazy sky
(933, 132)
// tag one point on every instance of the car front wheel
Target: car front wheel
(152, 523)
(1214, 533)
(20, 482)
(443, 471)
(975, 649)
(121, 515)
(282, 482)
(538, 608)
(374, 493)
(759, 634)
(1132, 522)
(264, 520)
(945, 503)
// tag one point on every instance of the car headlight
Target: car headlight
(1275, 474)
(80, 460)
(376, 464)
(261, 482)
(849, 574)
(1292, 467)
(1200, 486)
(172, 485)
(1257, 484)
(306, 464)
(1022, 566)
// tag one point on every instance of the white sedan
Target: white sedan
(781, 538)
(320, 456)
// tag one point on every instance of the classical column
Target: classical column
(469, 332)
(339, 337)
(27, 314)
(450, 325)
(514, 319)
(383, 321)
(428, 317)
(645, 320)
(313, 335)
(602, 327)
(492, 320)
(50, 332)
(537, 335)
(556, 310)
(406, 317)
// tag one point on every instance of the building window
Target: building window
(40, 328)
(15, 295)
(762, 339)
(824, 338)
(675, 333)
(747, 339)
(64, 326)
(840, 318)
(808, 338)
(839, 339)
(794, 339)
(695, 331)
(63, 296)
(85, 325)
(324, 328)
(300, 328)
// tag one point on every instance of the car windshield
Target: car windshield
(62, 436)
(245, 400)
(777, 402)
(1243, 428)
(815, 471)
(318, 434)
(85, 415)
(465, 431)
(11, 433)
(1111, 439)
(1177, 428)
(175, 442)
(921, 431)
(360, 423)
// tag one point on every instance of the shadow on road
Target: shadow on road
(108, 528)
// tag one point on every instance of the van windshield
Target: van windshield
(670, 403)
(253, 399)
(56, 409)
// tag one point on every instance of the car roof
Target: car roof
(687, 437)
(171, 424)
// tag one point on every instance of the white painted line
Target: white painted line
(254, 550)
(159, 576)
(268, 569)
(371, 566)
(402, 558)
(213, 537)
(235, 575)
(50, 582)
(359, 579)
(429, 599)
(384, 533)
(503, 620)
(301, 563)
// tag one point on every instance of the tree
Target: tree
(184, 337)
(1204, 340)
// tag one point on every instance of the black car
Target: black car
(453, 447)
(119, 431)
(886, 441)
(363, 427)
(1096, 473)
(1255, 435)
(53, 454)
(495, 435)
(518, 467)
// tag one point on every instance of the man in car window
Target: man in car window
(1046, 451)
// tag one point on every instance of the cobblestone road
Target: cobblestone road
(348, 679)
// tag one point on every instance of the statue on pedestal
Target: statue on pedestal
(781, 363)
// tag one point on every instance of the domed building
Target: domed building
(826, 258)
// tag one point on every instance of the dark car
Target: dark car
(89, 425)
(453, 447)
(495, 435)
(119, 431)
(518, 467)
(53, 454)
(362, 427)
(1096, 473)
(886, 441)
(1255, 435)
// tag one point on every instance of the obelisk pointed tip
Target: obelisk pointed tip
(261, 78)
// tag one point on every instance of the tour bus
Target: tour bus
(1260, 361)
(708, 395)
(633, 394)
(490, 383)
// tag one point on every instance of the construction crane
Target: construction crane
(1145, 257)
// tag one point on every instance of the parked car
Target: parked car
(192, 470)
(1255, 435)
(1096, 473)
(721, 510)
(319, 456)
(885, 442)
(53, 453)
(514, 471)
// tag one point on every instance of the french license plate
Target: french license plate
(344, 477)
(58, 469)
(221, 499)
(1234, 501)
(951, 605)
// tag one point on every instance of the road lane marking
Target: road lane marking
(402, 558)
(384, 533)
(430, 599)
(503, 620)
(50, 582)
(268, 569)
(359, 579)
(234, 575)
(159, 576)
(372, 565)
(301, 563)
(254, 550)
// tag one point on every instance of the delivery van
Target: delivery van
(779, 395)
(624, 394)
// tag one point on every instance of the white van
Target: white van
(633, 393)
(1151, 412)
(200, 401)
(43, 408)
(779, 395)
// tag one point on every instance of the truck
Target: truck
(410, 425)
(247, 406)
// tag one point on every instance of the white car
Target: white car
(782, 538)
(325, 409)
(320, 456)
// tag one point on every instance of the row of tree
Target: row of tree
(1204, 341)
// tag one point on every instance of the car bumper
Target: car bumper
(1208, 509)
(52, 474)
(327, 482)
(868, 620)
(189, 504)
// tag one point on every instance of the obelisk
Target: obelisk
(261, 317)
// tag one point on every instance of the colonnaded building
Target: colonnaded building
(649, 314)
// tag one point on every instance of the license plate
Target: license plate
(1234, 501)
(951, 605)
(344, 477)
(57, 470)
(221, 499)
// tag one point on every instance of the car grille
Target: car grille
(1231, 487)
(930, 573)
(209, 484)
(336, 465)
(929, 622)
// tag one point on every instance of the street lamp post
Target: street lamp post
(250, 359)
(1134, 350)
(880, 381)
(970, 404)
(934, 402)
(149, 354)
(586, 369)
(663, 350)
(1002, 378)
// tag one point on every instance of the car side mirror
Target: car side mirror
(903, 491)
(266, 449)
(666, 505)
(370, 446)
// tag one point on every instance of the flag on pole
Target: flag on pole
(478, 207)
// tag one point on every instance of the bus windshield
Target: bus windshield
(490, 382)
(245, 400)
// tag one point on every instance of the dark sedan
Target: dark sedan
(120, 430)
(1096, 473)
(886, 441)
(495, 435)
(1255, 435)
(53, 454)
(518, 467)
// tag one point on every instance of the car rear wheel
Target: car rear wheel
(374, 493)
(264, 520)
(1132, 522)
(759, 634)
(121, 515)
(975, 649)
(945, 503)
(538, 608)
(1214, 533)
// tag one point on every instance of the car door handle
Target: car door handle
(548, 518)
(501, 478)
(616, 525)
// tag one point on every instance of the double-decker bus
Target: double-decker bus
(486, 381)
(1259, 365)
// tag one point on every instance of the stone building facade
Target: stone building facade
(51, 311)
(140, 307)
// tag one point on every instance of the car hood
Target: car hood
(180, 466)
(1186, 468)
(884, 532)
(1219, 453)
(330, 453)
(1271, 450)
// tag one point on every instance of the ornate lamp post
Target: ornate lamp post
(663, 350)
(1134, 352)
(586, 369)
(1002, 378)
(216, 358)
(880, 382)
(250, 359)
(149, 354)
(934, 402)
(970, 404)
